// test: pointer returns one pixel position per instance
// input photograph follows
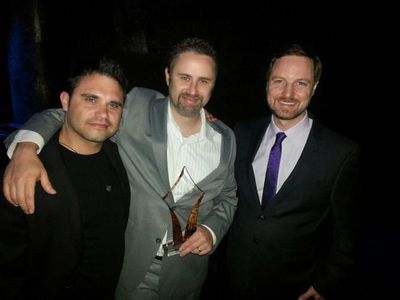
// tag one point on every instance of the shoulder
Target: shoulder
(139, 99)
(145, 93)
(110, 147)
(333, 138)
(221, 127)
(252, 124)
(247, 128)
(50, 149)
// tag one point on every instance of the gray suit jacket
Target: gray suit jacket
(142, 141)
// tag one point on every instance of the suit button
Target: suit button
(255, 241)
(261, 217)
(158, 240)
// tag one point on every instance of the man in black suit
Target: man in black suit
(300, 243)
(73, 246)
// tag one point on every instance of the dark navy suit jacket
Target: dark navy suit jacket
(305, 236)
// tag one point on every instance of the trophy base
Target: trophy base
(171, 249)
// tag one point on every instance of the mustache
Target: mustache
(194, 97)
(99, 121)
(285, 99)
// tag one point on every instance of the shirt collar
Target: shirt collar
(205, 130)
(302, 126)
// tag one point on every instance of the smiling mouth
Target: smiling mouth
(191, 97)
(286, 102)
(99, 126)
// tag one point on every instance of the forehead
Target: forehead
(100, 85)
(293, 65)
(96, 79)
(100, 82)
(196, 65)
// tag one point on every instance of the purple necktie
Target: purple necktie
(271, 177)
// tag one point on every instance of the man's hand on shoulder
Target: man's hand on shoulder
(311, 294)
(209, 116)
(21, 175)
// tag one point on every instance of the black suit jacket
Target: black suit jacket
(39, 252)
(305, 236)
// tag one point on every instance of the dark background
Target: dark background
(40, 41)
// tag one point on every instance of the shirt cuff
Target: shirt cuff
(26, 136)
(212, 234)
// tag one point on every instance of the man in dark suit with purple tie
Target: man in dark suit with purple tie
(300, 244)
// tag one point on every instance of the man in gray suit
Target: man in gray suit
(162, 141)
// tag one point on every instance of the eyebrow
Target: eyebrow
(201, 77)
(118, 101)
(89, 94)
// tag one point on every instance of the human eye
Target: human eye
(90, 99)
(184, 77)
(302, 83)
(204, 81)
(277, 81)
(115, 105)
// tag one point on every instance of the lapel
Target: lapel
(111, 150)
(254, 142)
(158, 128)
(226, 142)
(301, 168)
(66, 199)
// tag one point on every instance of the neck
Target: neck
(68, 147)
(283, 124)
(77, 144)
(187, 125)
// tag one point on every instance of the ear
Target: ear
(314, 88)
(167, 75)
(64, 99)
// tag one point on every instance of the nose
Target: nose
(288, 91)
(193, 88)
(102, 111)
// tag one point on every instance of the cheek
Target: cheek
(303, 96)
(115, 117)
(274, 92)
(206, 92)
(271, 95)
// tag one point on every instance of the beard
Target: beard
(189, 110)
(285, 113)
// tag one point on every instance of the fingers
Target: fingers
(21, 175)
(209, 116)
(46, 184)
(199, 243)
(200, 250)
(24, 190)
(11, 188)
(29, 196)
(311, 293)
(8, 192)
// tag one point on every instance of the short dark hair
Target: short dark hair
(104, 66)
(298, 50)
(192, 44)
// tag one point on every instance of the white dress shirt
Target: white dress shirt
(199, 153)
(292, 147)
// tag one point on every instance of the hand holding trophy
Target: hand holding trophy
(172, 247)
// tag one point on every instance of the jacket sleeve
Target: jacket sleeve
(221, 215)
(45, 123)
(13, 246)
(337, 272)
